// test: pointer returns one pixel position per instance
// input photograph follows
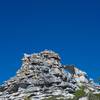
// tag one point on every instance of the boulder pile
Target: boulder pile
(42, 75)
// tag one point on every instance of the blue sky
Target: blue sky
(69, 27)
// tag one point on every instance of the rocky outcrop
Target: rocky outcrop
(42, 75)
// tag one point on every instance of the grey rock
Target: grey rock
(13, 88)
(23, 85)
(2, 88)
(42, 75)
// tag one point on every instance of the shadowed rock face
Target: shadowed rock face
(40, 75)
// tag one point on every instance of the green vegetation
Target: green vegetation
(79, 93)
(97, 95)
(92, 96)
(27, 98)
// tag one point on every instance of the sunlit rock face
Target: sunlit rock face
(42, 75)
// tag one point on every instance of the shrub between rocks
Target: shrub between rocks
(92, 96)
(79, 93)
(27, 98)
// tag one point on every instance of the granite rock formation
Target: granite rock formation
(42, 75)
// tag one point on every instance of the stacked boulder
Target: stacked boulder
(42, 75)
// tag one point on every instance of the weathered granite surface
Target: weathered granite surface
(42, 75)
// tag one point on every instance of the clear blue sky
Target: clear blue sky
(69, 27)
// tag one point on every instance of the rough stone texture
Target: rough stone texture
(83, 98)
(42, 75)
